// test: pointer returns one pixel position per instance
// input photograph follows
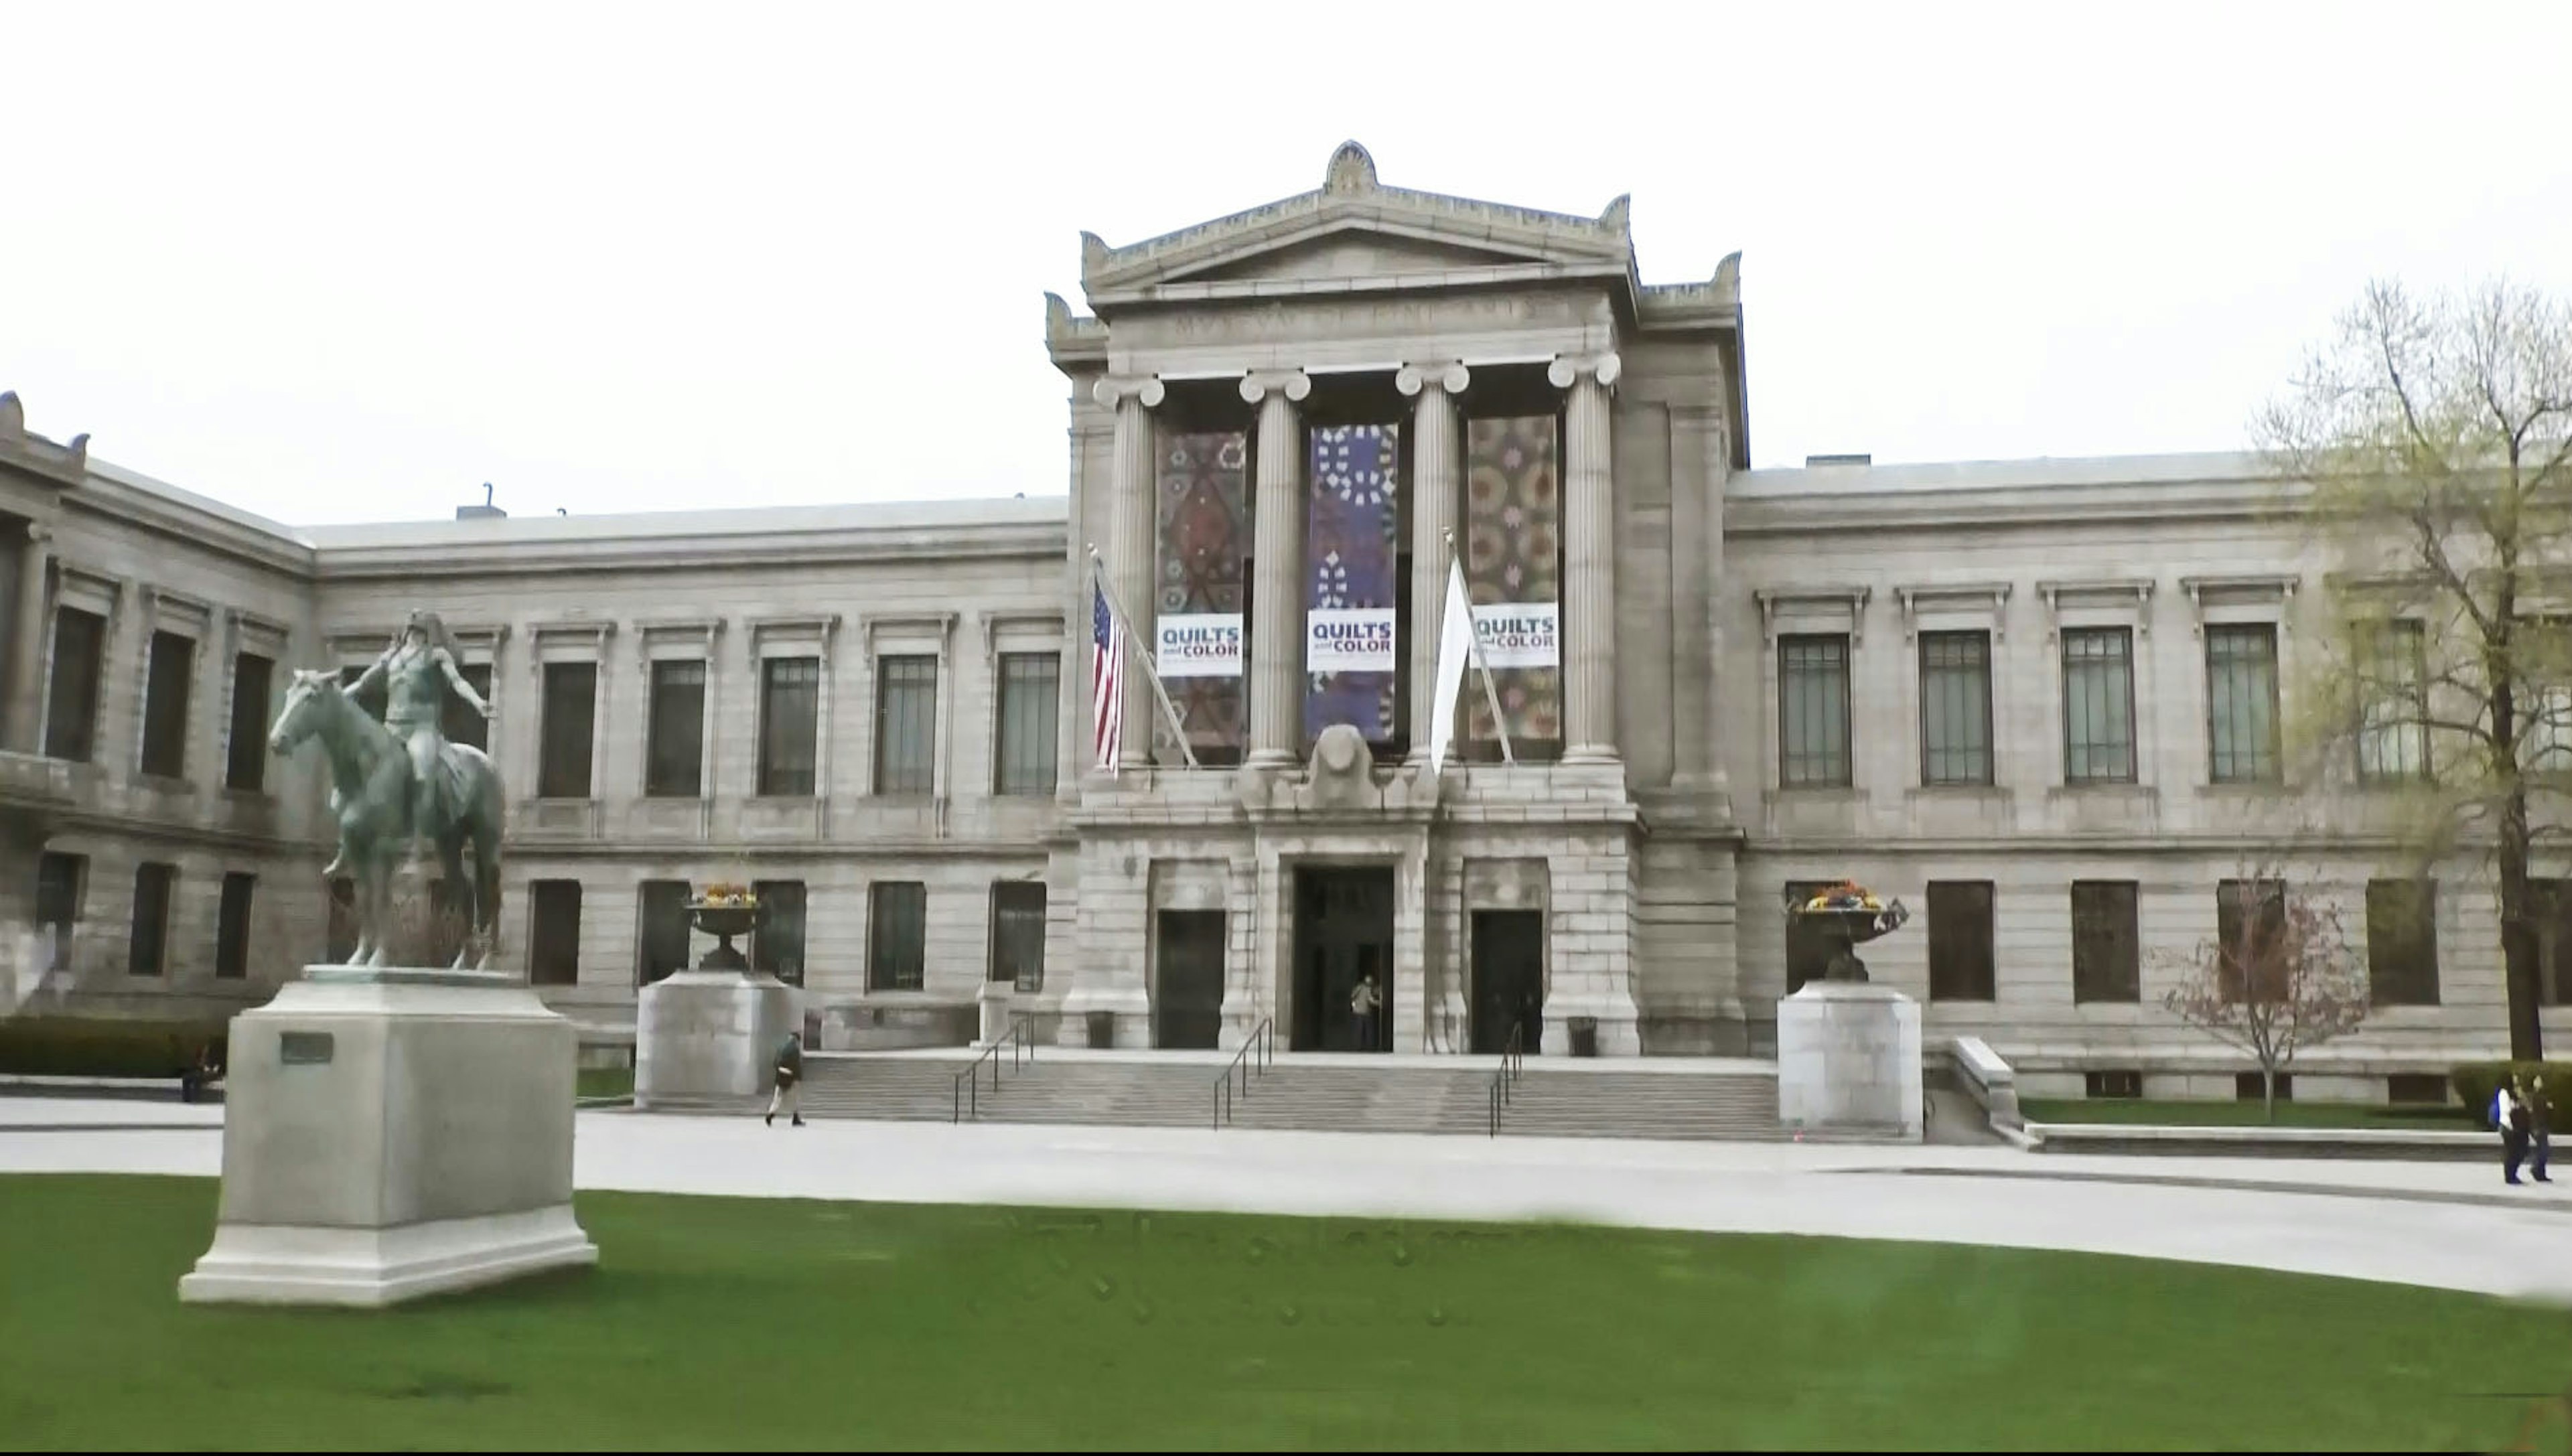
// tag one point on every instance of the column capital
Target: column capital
(1293, 384)
(1446, 374)
(1112, 390)
(39, 534)
(1568, 367)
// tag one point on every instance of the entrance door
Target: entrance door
(1187, 980)
(1508, 979)
(1343, 934)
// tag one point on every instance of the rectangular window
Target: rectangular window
(2098, 705)
(778, 948)
(231, 928)
(2402, 942)
(1813, 711)
(2241, 703)
(2248, 1087)
(907, 725)
(371, 697)
(2247, 946)
(1955, 707)
(571, 720)
(896, 935)
(167, 678)
(2107, 946)
(2394, 703)
(246, 749)
(1030, 695)
(457, 718)
(661, 940)
(2120, 1083)
(339, 927)
(60, 880)
(70, 713)
(1017, 933)
(1960, 939)
(674, 754)
(790, 704)
(553, 932)
(2408, 1089)
(147, 952)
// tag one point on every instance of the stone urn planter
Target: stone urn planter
(724, 919)
(706, 1038)
(1848, 916)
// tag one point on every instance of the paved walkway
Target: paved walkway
(2447, 1225)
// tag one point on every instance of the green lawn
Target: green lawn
(605, 1081)
(2132, 1111)
(743, 1324)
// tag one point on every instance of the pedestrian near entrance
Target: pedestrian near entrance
(789, 1097)
(1364, 1000)
(2540, 1127)
(2510, 1117)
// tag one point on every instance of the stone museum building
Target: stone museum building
(2036, 700)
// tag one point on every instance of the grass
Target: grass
(751, 1324)
(2422, 1117)
(605, 1081)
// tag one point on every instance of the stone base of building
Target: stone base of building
(706, 1041)
(1848, 1059)
(393, 1132)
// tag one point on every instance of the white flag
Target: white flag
(1455, 645)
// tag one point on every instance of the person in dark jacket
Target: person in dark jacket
(790, 1081)
(2540, 1120)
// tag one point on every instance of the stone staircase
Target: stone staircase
(1293, 1095)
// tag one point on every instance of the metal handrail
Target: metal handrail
(1262, 1039)
(1513, 1059)
(967, 1084)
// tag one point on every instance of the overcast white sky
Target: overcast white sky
(338, 262)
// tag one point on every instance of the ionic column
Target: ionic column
(1277, 540)
(1435, 461)
(1129, 550)
(1590, 558)
(24, 729)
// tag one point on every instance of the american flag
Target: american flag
(1106, 680)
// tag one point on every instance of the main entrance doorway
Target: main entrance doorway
(1187, 980)
(1343, 934)
(1508, 979)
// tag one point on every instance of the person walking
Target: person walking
(1364, 1000)
(790, 1081)
(2511, 1119)
(2540, 1127)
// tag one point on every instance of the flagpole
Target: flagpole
(1491, 694)
(1116, 609)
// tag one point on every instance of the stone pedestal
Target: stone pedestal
(994, 1000)
(1848, 1059)
(391, 1132)
(706, 1041)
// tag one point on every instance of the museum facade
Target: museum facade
(2039, 701)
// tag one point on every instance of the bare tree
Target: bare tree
(2435, 439)
(2276, 979)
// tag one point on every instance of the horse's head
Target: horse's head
(307, 699)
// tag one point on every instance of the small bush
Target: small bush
(2475, 1082)
(81, 1047)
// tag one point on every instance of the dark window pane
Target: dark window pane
(675, 755)
(778, 948)
(788, 724)
(897, 937)
(232, 926)
(1017, 933)
(60, 880)
(1960, 939)
(2241, 703)
(2106, 943)
(2402, 942)
(1030, 695)
(2248, 947)
(1813, 710)
(246, 746)
(167, 678)
(662, 938)
(340, 934)
(571, 708)
(147, 951)
(2098, 705)
(457, 718)
(2394, 703)
(70, 713)
(1955, 707)
(907, 725)
(553, 932)
(2117, 1084)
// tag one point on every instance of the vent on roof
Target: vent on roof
(485, 511)
(1812, 460)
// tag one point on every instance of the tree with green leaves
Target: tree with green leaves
(2432, 441)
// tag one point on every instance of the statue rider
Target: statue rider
(418, 670)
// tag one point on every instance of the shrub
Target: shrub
(2475, 1082)
(83, 1047)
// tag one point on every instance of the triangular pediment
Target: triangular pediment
(1354, 228)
